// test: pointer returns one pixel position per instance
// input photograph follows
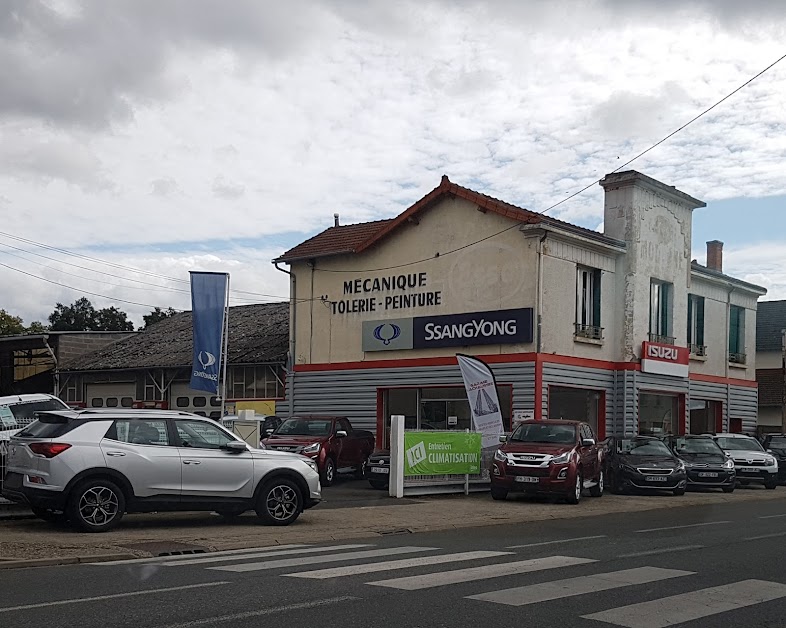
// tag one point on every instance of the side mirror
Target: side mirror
(587, 442)
(769, 451)
(341, 433)
(235, 446)
(270, 430)
(503, 438)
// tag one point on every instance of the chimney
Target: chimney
(715, 255)
(335, 220)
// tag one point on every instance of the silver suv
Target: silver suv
(751, 462)
(92, 466)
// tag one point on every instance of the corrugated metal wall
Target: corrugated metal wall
(744, 404)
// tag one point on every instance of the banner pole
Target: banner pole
(225, 358)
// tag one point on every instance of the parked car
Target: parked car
(330, 441)
(705, 463)
(644, 463)
(550, 457)
(751, 462)
(95, 465)
(776, 445)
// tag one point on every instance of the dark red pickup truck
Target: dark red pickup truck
(330, 440)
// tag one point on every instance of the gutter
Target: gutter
(292, 330)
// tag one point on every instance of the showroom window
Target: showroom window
(696, 325)
(588, 303)
(577, 404)
(658, 414)
(704, 416)
(737, 334)
(660, 312)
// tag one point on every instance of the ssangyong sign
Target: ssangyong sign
(664, 359)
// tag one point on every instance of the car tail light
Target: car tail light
(48, 450)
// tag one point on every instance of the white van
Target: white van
(17, 411)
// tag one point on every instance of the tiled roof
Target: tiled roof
(770, 320)
(770, 386)
(258, 334)
(358, 237)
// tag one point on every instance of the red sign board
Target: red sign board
(664, 359)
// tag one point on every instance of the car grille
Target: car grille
(379, 462)
(528, 460)
(749, 463)
(283, 448)
(647, 471)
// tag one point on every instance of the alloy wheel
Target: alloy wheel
(98, 505)
(282, 502)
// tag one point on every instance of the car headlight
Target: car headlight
(729, 464)
(687, 465)
(500, 456)
(312, 449)
(770, 462)
(562, 458)
(681, 466)
(310, 463)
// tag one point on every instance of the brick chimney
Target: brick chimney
(715, 255)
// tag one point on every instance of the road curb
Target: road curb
(63, 560)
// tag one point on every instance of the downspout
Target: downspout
(538, 393)
(539, 296)
(292, 323)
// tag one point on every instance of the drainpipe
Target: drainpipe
(292, 322)
(540, 289)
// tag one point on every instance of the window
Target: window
(127, 402)
(139, 432)
(260, 382)
(588, 303)
(97, 402)
(661, 298)
(576, 404)
(201, 435)
(200, 402)
(111, 402)
(696, 325)
(704, 416)
(182, 402)
(736, 334)
(215, 402)
(658, 415)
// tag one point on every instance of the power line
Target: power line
(575, 194)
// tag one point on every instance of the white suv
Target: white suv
(751, 462)
(95, 465)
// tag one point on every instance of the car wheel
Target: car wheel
(771, 484)
(597, 490)
(360, 470)
(280, 502)
(49, 515)
(378, 485)
(679, 491)
(96, 505)
(574, 497)
(499, 494)
(728, 489)
(328, 474)
(230, 514)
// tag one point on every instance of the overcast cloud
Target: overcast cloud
(177, 135)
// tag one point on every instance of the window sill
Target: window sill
(588, 341)
(698, 358)
(737, 365)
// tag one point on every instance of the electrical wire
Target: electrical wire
(571, 196)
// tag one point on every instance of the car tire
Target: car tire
(499, 494)
(771, 484)
(728, 489)
(49, 515)
(280, 502)
(328, 475)
(378, 485)
(95, 505)
(360, 470)
(597, 490)
(574, 497)
(678, 492)
(231, 514)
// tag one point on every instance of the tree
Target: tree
(82, 316)
(37, 327)
(10, 325)
(157, 315)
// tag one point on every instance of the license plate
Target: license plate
(708, 474)
(656, 478)
(747, 470)
(384, 470)
(526, 478)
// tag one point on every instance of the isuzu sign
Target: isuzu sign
(664, 359)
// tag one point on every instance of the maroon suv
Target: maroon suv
(554, 457)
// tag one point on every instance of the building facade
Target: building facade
(619, 328)
(770, 361)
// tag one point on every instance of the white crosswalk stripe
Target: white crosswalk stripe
(415, 583)
(315, 560)
(235, 554)
(534, 593)
(352, 570)
(677, 609)
(272, 553)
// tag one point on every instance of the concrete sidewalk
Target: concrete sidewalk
(151, 534)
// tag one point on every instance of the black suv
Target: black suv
(776, 445)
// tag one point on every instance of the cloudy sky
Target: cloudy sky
(175, 135)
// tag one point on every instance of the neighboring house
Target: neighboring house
(153, 368)
(770, 324)
(28, 361)
(619, 328)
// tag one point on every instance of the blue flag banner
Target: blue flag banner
(208, 303)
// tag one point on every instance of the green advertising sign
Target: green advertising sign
(441, 453)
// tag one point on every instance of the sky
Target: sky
(143, 139)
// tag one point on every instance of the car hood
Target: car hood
(293, 441)
(743, 456)
(553, 449)
(708, 459)
(652, 462)
(779, 451)
(259, 454)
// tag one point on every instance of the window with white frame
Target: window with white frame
(737, 334)
(696, 325)
(588, 303)
(256, 382)
(661, 304)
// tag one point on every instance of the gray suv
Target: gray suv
(92, 466)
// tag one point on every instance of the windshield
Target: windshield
(696, 446)
(778, 442)
(17, 415)
(303, 427)
(544, 433)
(644, 448)
(739, 444)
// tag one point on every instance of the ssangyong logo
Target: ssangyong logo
(387, 338)
(662, 353)
(208, 360)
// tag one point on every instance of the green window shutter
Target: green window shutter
(734, 329)
(699, 321)
(690, 319)
(596, 298)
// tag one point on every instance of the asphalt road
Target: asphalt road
(709, 566)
